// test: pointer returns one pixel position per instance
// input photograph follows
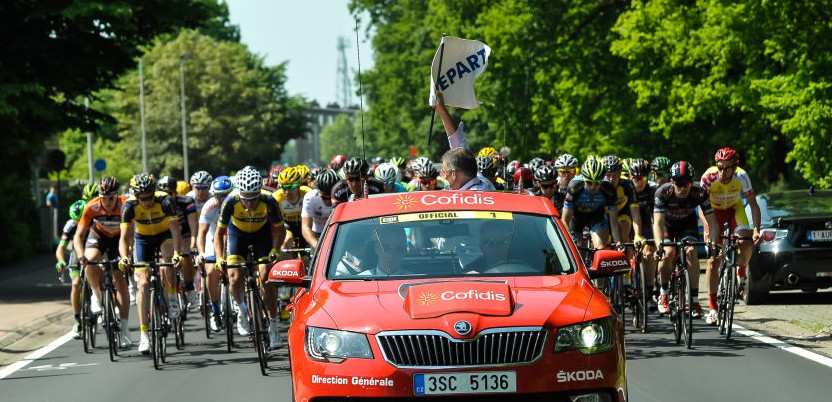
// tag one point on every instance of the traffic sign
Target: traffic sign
(100, 164)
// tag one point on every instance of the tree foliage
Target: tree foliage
(637, 78)
(238, 111)
(343, 137)
(52, 53)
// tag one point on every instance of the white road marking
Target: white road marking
(785, 346)
(12, 368)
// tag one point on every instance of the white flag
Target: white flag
(462, 61)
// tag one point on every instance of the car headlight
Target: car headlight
(587, 337)
(336, 346)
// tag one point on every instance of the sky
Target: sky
(304, 33)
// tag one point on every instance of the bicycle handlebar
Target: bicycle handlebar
(152, 264)
(297, 250)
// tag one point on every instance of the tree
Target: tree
(53, 53)
(340, 138)
(238, 112)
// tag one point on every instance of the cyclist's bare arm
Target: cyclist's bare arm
(658, 227)
(278, 237)
(635, 212)
(176, 234)
(192, 223)
(78, 241)
(125, 240)
(201, 235)
(306, 231)
(566, 218)
(756, 217)
(614, 225)
(219, 243)
(710, 220)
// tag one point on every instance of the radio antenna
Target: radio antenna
(360, 90)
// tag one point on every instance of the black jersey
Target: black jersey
(341, 191)
(679, 209)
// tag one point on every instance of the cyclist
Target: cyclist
(289, 197)
(674, 218)
(728, 184)
(487, 168)
(545, 184)
(567, 167)
(629, 218)
(591, 203)
(98, 237)
(337, 162)
(399, 163)
(67, 234)
(200, 189)
(523, 180)
(186, 210)
(645, 193)
(89, 191)
(429, 178)
(220, 188)
(317, 205)
(149, 221)
(389, 176)
(249, 218)
(660, 170)
(355, 181)
(416, 167)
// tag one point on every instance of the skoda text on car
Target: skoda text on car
(452, 293)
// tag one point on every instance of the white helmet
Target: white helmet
(248, 180)
(566, 160)
(201, 178)
(387, 172)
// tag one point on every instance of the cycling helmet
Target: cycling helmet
(108, 186)
(356, 165)
(487, 151)
(525, 175)
(566, 161)
(76, 209)
(639, 167)
(387, 173)
(221, 185)
(485, 165)
(612, 164)
(201, 178)
(289, 175)
(535, 163)
(398, 161)
(593, 168)
(660, 163)
(304, 172)
(249, 180)
(428, 171)
(166, 184)
(269, 182)
(314, 172)
(682, 172)
(726, 154)
(512, 167)
(417, 163)
(89, 191)
(326, 181)
(276, 171)
(182, 187)
(545, 173)
(337, 162)
(143, 183)
(377, 160)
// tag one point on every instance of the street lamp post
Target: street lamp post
(182, 59)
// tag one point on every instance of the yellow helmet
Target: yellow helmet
(182, 187)
(290, 175)
(487, 151)
(304, 172)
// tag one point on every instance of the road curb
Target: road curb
(35, 326)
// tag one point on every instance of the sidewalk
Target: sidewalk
(33, 304)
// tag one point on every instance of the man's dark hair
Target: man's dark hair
(461, 159)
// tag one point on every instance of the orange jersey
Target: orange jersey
(104, 223)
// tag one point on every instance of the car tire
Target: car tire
(756, 289)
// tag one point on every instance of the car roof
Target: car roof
(796, 203)
(443, 200)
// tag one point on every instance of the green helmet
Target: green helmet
(593, 168)
(89, 191)
(76, 209)
(660, 163)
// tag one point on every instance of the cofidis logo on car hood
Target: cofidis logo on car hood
(439, 298)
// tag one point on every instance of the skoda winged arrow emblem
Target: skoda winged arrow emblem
(462, 327)
(828, 225)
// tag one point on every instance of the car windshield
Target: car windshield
(797, 204)
(445, 244)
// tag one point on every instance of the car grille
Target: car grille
(504, 346)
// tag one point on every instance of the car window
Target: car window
(446, 244)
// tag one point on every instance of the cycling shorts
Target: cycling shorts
(105, 245)
(73, 262)
(238, 242)
(735, 217)
(595, 225)
(686, 228)
(145, 246)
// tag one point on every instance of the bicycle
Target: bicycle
(256, 308)
(160, 323)
(89, 321)
(640, 294)
(111, 319)
(680, 298)
(726, 295)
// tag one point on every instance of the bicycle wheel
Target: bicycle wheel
(205, 307)
(687, 313)
(179, 322)
(720, 299)
(730, 300)
(642, 295)
(155, 329)
(228, 318)
(676, 308)
(86, 315)
(110, 323)
(260, 344)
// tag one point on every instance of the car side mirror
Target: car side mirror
(606, 263)
(290, 273)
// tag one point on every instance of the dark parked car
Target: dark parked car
(796, 250)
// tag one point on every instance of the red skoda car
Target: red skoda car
(470, 295)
